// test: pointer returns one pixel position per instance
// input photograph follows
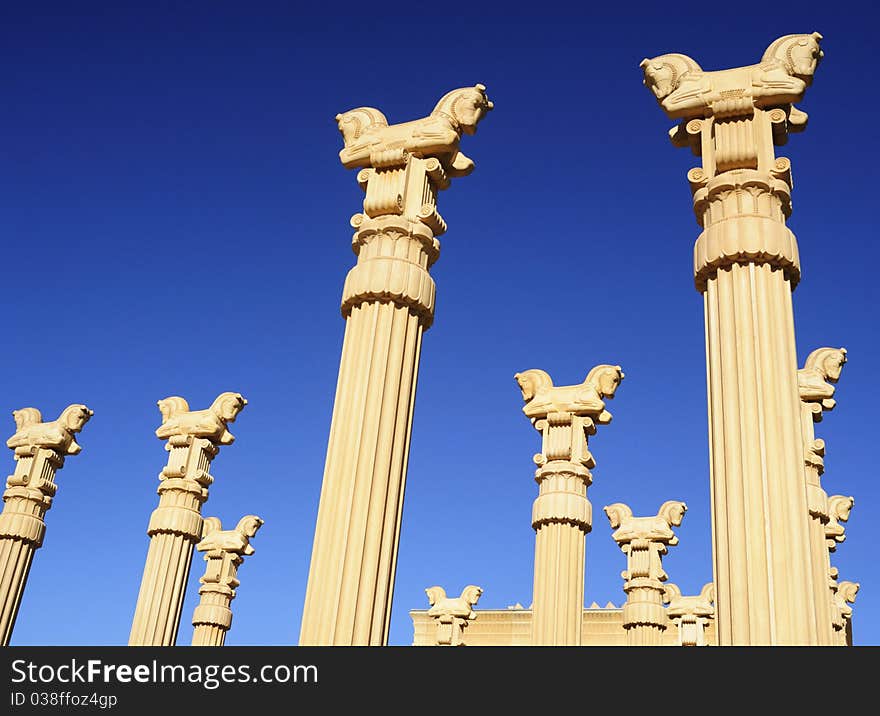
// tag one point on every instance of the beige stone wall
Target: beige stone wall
(512, 627)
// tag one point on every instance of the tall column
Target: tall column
(39, 451)
(644, 541)
(690, 614)
(746, 265)
(562, 514)
(816, 389)
(388, 302)
(839, 508)
(224, 550)
(452, 615)
(844, 594)
(194, 438)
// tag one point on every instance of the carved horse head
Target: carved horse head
(664, 73)
(465, 106)
(799, 54)
(354, 123)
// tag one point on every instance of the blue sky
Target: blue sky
(174, 220)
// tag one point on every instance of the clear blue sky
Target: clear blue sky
(174, 220)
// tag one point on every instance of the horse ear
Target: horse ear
(644, 63)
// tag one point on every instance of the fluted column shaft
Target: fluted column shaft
(175, 527)
(561, 518)
(644, 617)
(27, 497)
(212, 618)
(763, 571)
(746, 265)
(389, 302)
(817, 505)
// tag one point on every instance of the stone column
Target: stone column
(194, 438)
(388, 302)
(224, 551)
(644, 541)
(452, 615)
(815, 385)
(562, 514)
(746, 265)
(839, 508)
(690, 614)
(844, 594)
(39, 451)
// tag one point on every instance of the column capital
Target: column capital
(816, 380)
(657, 528)
(57, 435)
(452, 615)
(370, 142)
(685, 91)
(644, 541)
(224, 551)
(690, 613)
(178, 421)
(839, 508)
(575, 407)
(700, 605)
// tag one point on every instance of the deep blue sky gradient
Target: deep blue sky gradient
(174, 220)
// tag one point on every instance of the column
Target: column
(39, 452)
(844, 594)
(746, 266)
(388, 303)
(644, 541)
(690, 614)
(193, 439)
(224, 550)
(841, 593)
(815, 385)
(452, 615)
(562, 515)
